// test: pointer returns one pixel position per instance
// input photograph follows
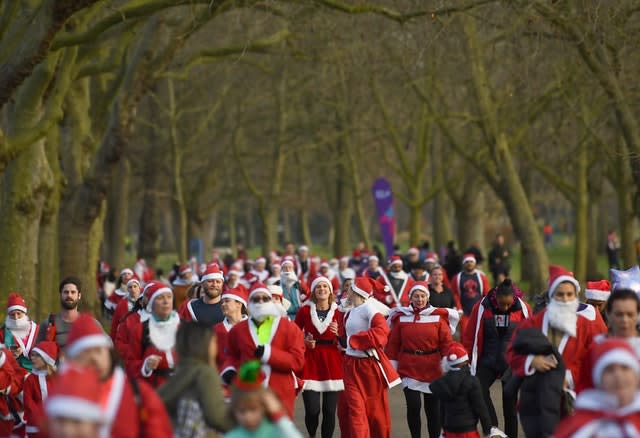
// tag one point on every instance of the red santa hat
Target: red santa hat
(468, 257)
(431, 257)
(238, 293)
(373, 258)
(598, 290)
(303, 248)
(261, 260)
(321, 279)
(184, 269)
(344, 259)
(16, 302)
(324, 264)
(154, 291)
(558, 275)
(421, 286)
(258, 286)
(85, 333)
(212, 272)
(75, 393)
(413, 250)
(456, 354)
(362, 286)
(612, 351)
(48, 351)
(133, 280)
(126, 271)
(287, 261)
(395, 260)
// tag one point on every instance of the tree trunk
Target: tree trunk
(286, 225)
(269, 216)
(626, 219)
(233, 229)
(304, 224)
(28, 183)
(117, 218)
(210, 229)
(415, 224)
(581, 212)
(470, 219)
(592, 243)
(250, 235)
(343, 209)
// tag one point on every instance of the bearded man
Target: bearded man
(272, 339)
(569, 330)
(208, 308)
(56, 327)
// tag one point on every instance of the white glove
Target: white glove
(496, 433)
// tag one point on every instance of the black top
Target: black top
(207, 313)
(442, 299)
(322, 314)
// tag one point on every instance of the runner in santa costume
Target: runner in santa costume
(74, 410)
(206, 309)
(569, 331)
(277, 342)
(234, 307)
(326, 271)
(20, 333)
(368, 373)
(130, 408)
(147, 340)
(293, 289)
(489, 331)
(121, 291)
(468, 287)
(612, 409)
(420, 336)
(597, 293)
(11, 381)
(37, 385)
(260, 269)
(186, 278)
(125, 306)
(374, 271)
(395, 285)
(320, 321)
(278, 298)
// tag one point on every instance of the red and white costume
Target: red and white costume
(23, 336)
(395, 297)
(468, 289)
(223, 328)
(417, 343)
(11, 381)
(323, 367)
(122, 415)
(283, 355)
(368, 373)
(141, 336)
(121, 311)
(119, 294)
(36, 388)
(597, 413)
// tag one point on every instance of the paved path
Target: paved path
(398, 416)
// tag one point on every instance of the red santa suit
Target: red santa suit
(323, 364)
(11, 381)
(418, 341)
(390, 296)
(282, 356)
(119, 314)
(368, 373)
(468, 288)
(36, 388)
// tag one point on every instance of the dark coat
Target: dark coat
(461, 397)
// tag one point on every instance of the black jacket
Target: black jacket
(461, 398)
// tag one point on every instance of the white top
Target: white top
(359, 320)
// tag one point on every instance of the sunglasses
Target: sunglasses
(260, 299)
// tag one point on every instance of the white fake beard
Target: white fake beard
(163, 333)
(288, 278)
(19, 327)
(261, 311)
(563, 316)
(400, 275)
(282, 309)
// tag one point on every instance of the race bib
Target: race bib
(502, 320)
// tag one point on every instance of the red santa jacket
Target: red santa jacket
(11, 382)
(119, 314)
(574, 350)
(112, 301)
(389, 295)
(595, 417)
(458, 291)
(35, 390)
(323, 364)
(26, 343)
(134, 343)
(221, 331)
(283, 355)
(417, 343)
(474, 336)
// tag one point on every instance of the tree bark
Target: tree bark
(581, 212)
(233, 228)
(470, 218)
(269, 217)
(304, 224)
(28, 183)
(592, 243)
(286, 225)
(441, 221)
(250, 235)
(342, 214)
(117, 218)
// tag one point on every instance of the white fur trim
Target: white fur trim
(597, 295)
(73, 407)
(474, 350)
(260, 289)
(160, 291)
(396, 262)
(48, 359)
(528, 369)
(374, 258)
(419, 287)
(12, 308)
(452, 359)
(213, 276)
(319, 280)
(359, 291)
(563, 279)
(3, 358)
(416, 385)
(126, 271)
(469, 259)
(99, 340)
(323, 385)
(321, 326)
(267, 354)
(615, 356)
(234, 297)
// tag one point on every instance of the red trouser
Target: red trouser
(473, 434)
(366, 399)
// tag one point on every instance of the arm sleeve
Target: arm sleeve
(290, 358)
(212, 401)
(393, 346)
(157, 422)
(232, 358)
(131, 345)
(519, 363)
(445, 336)
(470, 331)
(300, 319)
(485, 285)
(479, 407)
(456, 292)
(376, 337)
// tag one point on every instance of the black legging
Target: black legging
(487, 376)
(431, 408)
(312, 412)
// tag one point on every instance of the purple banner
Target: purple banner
(383, 198)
